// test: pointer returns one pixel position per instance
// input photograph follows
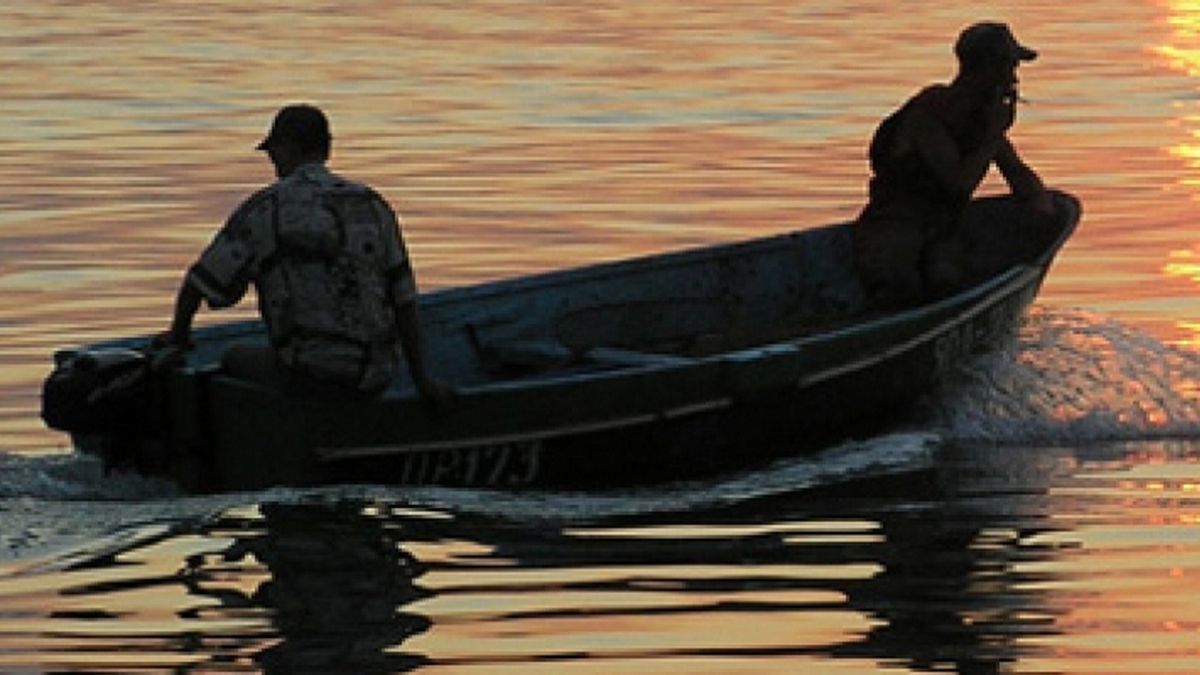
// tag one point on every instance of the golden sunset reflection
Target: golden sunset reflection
(643, 637)
(806, 528)
(1182, 53)
(1185, 264)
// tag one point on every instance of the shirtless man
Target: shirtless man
(927, 159)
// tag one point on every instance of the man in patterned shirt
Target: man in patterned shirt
(334, 283)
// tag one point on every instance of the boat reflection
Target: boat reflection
(954, 593)
(917, 571)
(959, 565)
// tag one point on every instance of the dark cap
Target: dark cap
(990, 41)
(301, 123)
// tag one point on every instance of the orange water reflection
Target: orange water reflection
(1182, 52)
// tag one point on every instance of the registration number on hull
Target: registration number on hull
(501, 465)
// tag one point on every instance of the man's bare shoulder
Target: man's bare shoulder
(933, 98)
(934, 106)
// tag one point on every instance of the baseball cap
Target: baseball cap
(302, 123)
(990, 40)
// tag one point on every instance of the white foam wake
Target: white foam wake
(1073, 376)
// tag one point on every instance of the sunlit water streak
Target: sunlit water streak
(1037, 515)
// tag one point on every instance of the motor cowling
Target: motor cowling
(98, 391)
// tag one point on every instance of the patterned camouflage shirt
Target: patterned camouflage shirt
(328, 263)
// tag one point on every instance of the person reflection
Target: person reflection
(338, 582)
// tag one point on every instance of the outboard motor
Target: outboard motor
(103, 391)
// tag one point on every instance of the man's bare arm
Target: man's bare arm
(187, 303)
(412, 340)
(1023, 180)
(957, 173)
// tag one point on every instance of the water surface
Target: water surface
(1037, 515)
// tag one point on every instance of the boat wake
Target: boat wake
(894, 453)
(74, 477)
(1071, 376)
(53, 503)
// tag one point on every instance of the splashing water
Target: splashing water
(1073, 376)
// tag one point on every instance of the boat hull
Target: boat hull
(782, 410)
(638, 372)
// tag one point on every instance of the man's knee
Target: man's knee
(887, 258)
(945, 268)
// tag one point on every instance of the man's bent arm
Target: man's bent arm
(957, 173)
(187, 303)
(412, 340)
(1024, 181)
